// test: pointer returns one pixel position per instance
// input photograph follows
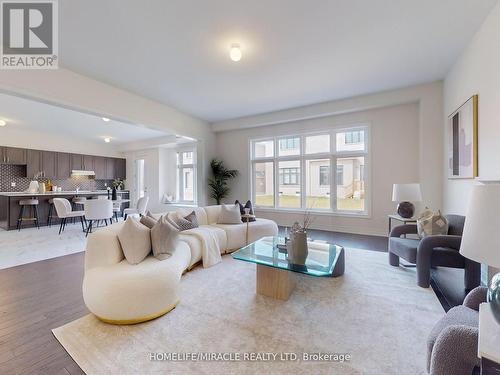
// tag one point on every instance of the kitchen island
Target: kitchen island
(10, 208)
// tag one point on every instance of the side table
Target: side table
(247, 217)
(489, 341)
(401, 219)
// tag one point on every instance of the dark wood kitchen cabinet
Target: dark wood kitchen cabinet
(88, 163)
(58, 165)
(12, 155)
(76, 162)
(121, 169)
(63, 165)
(33, 163)
(49, 164)
(110, 168)
(100, 167)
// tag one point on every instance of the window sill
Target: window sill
(361, 215)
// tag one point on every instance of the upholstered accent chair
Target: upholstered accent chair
(433, 251)
(452, 343)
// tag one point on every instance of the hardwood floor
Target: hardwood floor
(34, 299)
(37, 297)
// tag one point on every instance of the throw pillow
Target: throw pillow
(148, 221)
(135, 240)
(188, 222)
(229, 214)
(149, 214)
(429, 224)
(164, 238)
(242, 210)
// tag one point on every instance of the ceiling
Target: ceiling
(295, 52)
(24, 114)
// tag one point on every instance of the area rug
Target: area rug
(373, 320)
(33, 245)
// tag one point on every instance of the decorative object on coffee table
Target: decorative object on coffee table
(481, 237)
(405, 194)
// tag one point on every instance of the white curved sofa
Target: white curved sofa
(118, 292)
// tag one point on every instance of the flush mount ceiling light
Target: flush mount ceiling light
(107, 139)
(235, 52)
(105, 119)
(2, 123)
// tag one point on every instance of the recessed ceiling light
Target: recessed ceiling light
(2, 123)
(105, 119)
(235, 52)
(107, 139)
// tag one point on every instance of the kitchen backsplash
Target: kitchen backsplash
(15, 173)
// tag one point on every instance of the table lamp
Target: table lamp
(405, 194)
(481, 236)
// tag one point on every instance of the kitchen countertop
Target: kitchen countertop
(51, 193)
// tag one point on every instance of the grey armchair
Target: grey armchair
(433, 251)
(452, 343)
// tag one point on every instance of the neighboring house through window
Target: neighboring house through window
(322, 171)
(324, 175)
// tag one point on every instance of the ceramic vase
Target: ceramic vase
(298, 247)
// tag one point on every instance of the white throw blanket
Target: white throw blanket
(210, 247)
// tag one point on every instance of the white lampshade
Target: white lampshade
(481, 237)
(406, 193)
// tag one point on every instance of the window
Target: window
(289, 146)
(354, 137)
(340, 174)
(351, 141)
(318, 184)
(263, 149)
(316, 144)
(350, 184)
(324, 175)
(322, 172)
(264, 184)
(289, 184)
(186, 176)
(289, 176)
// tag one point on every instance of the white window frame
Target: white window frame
(180, 175)
(332, 155)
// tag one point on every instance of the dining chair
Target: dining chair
(98, 210)
(65, 211)
(142, 205)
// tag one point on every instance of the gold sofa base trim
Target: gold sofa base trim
(138, 320)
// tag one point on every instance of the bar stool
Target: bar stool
(51, 212)
(78, 201)
(78, 204)
(32, 204)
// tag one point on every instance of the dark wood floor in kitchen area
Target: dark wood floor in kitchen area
(37, 297)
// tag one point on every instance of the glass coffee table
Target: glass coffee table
(276, 275)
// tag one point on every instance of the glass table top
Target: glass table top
(321, 259)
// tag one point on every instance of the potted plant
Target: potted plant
(219, 182)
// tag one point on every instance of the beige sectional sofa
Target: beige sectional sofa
(120, 293)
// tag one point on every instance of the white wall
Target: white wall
(429, 97)
(406, 146)
(477, 71)
(65, 88)
(394, 158)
